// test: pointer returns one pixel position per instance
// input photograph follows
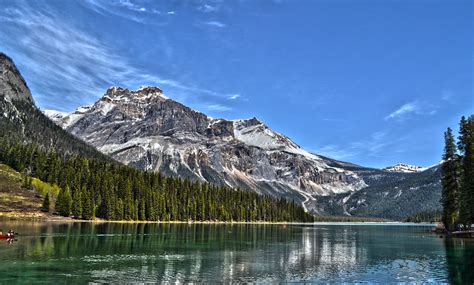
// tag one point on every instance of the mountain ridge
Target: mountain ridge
(248, 153)
(145, 129)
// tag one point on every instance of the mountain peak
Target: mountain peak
(149, 89)
(405, 168)
(249, 122)
(16, 89)
(117, 92)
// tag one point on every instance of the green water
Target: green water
(84, 252)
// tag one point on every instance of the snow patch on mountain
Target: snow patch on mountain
(255, 133)
(55, 115)
(405, 168)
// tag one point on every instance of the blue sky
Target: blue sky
(370, 82)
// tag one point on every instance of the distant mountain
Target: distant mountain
(405, 168)
(392, 195)
(145, 129)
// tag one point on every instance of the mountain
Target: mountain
(21, 120)
(145, 129)
(405, 168)
(391, 195)
(36, 151)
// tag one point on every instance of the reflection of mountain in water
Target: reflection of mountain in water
(85, 252)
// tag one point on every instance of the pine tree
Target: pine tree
(88, 206)
(450, 181)
(46, 204)
(77, 204)
(128, 202)
(466, 148)
(63, 203)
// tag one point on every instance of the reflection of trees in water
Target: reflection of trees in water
(194, 252)
(152, 252)
(460, 259)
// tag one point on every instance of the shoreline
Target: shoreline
(58, 219)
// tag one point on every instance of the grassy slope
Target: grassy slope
(17, 202)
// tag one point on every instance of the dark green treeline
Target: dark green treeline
(458, 176)
(96, 188)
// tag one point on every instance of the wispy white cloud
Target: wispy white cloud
(335, 152)
(128, 10)
(116, 9)
(411, 108)
(129, 5)
(206, 8)
(67, 67)
(336, 120)
(218, 107)
(215, 24)
(447, 95)
(403, 110)
(378, 144)
(234, 96)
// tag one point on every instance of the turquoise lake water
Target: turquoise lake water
(83, 252)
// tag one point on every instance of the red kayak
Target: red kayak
(6, 237)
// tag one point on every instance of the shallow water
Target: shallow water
(85, 252)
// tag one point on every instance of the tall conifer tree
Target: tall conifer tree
(466, 147)
(46, 203)
(77, 203)
(450, 181)
(63, 203)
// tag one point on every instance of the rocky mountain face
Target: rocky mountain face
(13, 91)
(146, 130)
(405, 168)
(21, 120)
(12, 85)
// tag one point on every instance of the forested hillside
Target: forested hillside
(115, 192)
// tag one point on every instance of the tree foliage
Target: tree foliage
(466, 149)
(458, 176)
(113, 191)
(64, 202)
(450, 181)
(46, 207)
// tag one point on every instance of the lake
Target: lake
(86, 252)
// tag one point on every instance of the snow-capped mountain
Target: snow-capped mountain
(392, 195)
(405, 168)
(145, 129)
